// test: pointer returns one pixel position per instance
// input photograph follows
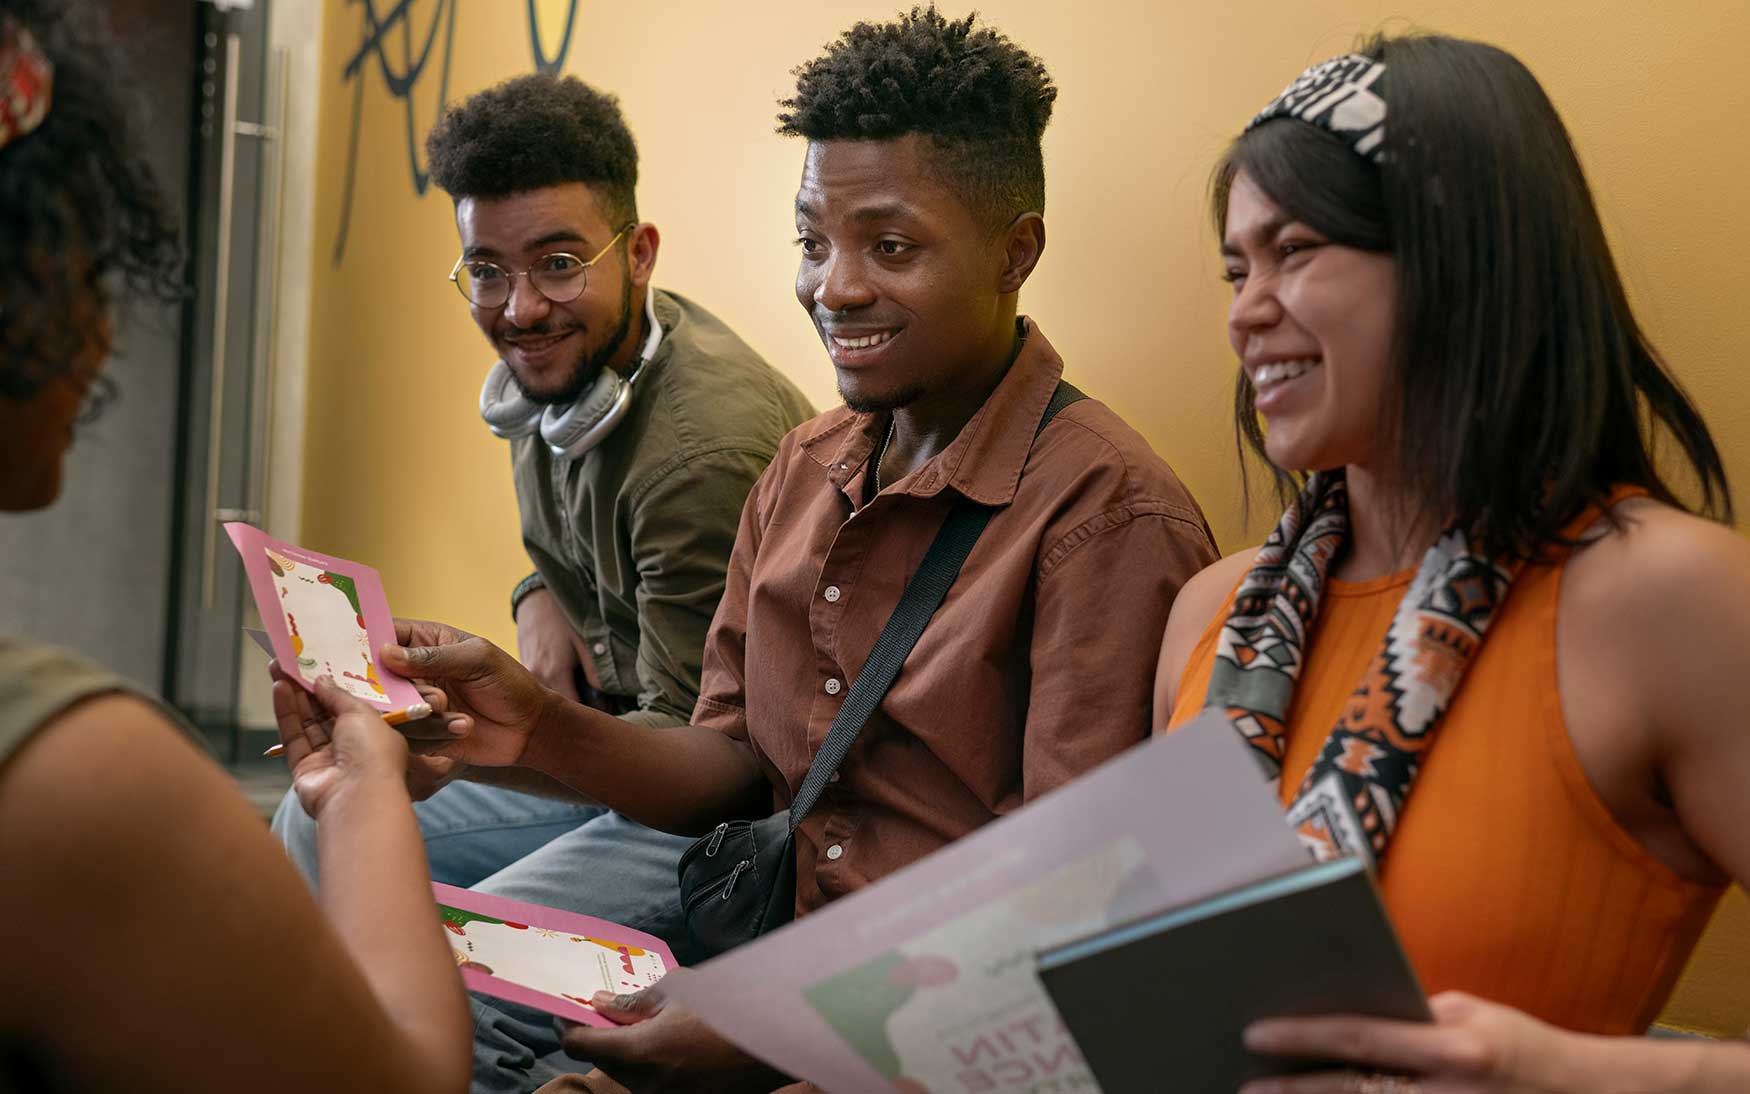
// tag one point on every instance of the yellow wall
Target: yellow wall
(401, 472)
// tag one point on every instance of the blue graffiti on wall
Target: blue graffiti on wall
(393, 31)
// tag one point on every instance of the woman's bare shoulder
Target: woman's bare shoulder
(80, 767)
(1656, 562)
(1204, 594)
(1197, 603)
(1654, 627)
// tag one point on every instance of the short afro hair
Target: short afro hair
(533, 132)
(78, 183)
(982, 100)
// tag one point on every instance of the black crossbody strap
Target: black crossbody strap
(923, 594)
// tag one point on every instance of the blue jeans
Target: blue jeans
(583, 859)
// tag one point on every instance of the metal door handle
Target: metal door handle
(221, 317)
(267, 278)
(229, 130)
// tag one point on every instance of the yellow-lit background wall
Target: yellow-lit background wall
(400, 471)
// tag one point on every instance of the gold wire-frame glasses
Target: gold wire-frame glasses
(560, 277)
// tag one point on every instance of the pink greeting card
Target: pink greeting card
(324, 616)
(545, 958)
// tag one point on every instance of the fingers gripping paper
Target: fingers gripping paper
(324, 616)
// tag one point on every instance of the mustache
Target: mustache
(541, 330)
(837, 321)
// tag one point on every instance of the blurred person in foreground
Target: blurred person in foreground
(153, 909)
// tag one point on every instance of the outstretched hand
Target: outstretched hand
(333, 741)
(494, 701)
(426, 774)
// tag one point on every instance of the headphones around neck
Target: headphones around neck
(573, 429)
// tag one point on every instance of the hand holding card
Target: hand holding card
(325, 616)
(547, 958)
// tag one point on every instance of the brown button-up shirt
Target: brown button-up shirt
(1038, 665)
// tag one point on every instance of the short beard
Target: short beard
(590, 367)
(881, 404)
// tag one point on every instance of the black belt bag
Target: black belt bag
(739, 881)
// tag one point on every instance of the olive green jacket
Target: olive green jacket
(633, 539)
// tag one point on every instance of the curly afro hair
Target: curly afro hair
(537, 131)
(74, 186)
(983, 101)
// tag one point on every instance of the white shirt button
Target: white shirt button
(835, 852)
(833, 687)
(833, 778)
(832, 594)
(600, 648)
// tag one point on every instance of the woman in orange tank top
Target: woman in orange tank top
(1478, 551)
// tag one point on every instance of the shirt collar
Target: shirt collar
(984, 462)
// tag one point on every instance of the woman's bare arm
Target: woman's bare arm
(1653, 644)
(162, 942)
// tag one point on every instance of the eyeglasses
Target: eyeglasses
(559, 277)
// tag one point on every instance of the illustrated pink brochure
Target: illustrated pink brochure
(324, 616)
(545, 958)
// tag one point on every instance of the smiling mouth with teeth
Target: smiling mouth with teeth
(868, 341)
(1278, 371)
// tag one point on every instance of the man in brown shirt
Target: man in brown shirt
(919, 217)
(1031, 672)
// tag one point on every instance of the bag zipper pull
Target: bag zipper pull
(729, 886)
(716, 839)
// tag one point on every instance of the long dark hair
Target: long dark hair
(1522, 389)
(76, 184)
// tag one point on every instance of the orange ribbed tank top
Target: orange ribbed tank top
(1507, 878)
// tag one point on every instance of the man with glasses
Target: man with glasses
(637, 422)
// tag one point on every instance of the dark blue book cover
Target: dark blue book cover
(1158, 1004)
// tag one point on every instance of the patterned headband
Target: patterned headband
(1342, 95)
(27, 80)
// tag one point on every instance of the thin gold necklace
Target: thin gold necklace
(881, 455)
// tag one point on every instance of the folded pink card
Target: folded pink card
(546, 958)
(324, 616)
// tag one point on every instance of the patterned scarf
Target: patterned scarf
(26, 82)
(1351, 798)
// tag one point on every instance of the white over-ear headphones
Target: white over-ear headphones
(574, 429)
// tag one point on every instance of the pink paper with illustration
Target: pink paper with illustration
(324, 616)
(545, 958)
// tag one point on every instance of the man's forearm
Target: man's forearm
(527, 781)
(681, 779)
